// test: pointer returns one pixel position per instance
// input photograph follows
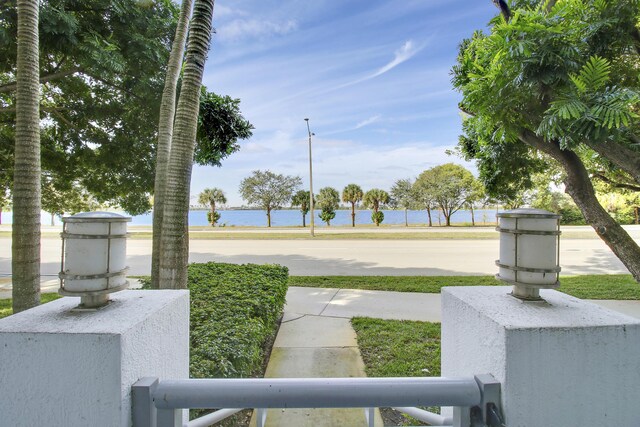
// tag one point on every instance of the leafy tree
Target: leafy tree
(328, 202)
(211, 197)
(477, 194)
(403, 195)
(557, 82)
(353, 194)
(449, 186)
(268, 190)
(424, 190)
(174, 253)
(59, 198)
(25, 253)
(302, 199)
(101, 63)
(374, 199)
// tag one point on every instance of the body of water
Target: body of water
(283, 218)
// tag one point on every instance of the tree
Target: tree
(559, 83)
(374, 199)
(451, 186)
(302, 199)
(328, 202)
(59, 198)
(165, 134)
(476, 195)
(211, 196)
(268, 190)
(353, 194)
(25, 251)
(101, 67)
(423, 190)
(404, 196)
(174, 243)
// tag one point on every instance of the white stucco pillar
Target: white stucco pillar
(562, 361)
(60, 367)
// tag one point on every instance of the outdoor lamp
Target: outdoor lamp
(529, 251)
(94, 248)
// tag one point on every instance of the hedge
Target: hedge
(234, 312)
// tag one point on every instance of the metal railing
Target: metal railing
(159, 403)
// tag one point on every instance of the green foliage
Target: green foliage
(328, 201)
(234, 310)
(375, 198)
(213, 218)
(609, 286)
(568, 74)
(352, 193)
(220, 126)
(403, 194)
(268, 190)
(377, 217)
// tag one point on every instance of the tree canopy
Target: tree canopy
(102, 65)
(212, 197)
(328, 201)
(302, 199)
(374, 199)
(557, 82)
(403, 196)
(268, 190)
(352, 194)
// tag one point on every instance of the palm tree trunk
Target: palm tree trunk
(25, 251)
(175, 235)
(429, 215)
(165, 133)
(353, 214)
(303, 220)
(268, 217)
(473, 218)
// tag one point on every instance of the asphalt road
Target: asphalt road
(351, 257)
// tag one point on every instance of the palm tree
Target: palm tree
(352, 193)
(211, 196)
(165, 132)
(175, 234)
(373, 199)
(25, 255)
(302, 199)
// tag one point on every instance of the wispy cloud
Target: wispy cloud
(242, 29)
(368, 121)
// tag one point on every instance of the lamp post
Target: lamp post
(310, 179)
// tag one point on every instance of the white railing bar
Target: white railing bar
(316, 392)
(426, 416)
(212, 418)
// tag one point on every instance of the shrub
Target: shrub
(234, 312)
(377, 217)
(213, 217)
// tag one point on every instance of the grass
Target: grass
(614, 286)
(398, 348)
(5, 304)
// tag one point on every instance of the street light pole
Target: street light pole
(310, 179)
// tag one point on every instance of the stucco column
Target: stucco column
(562, 361)
(61, 367)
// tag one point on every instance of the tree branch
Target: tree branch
(9, 87)
(616, 184)
(626, 159)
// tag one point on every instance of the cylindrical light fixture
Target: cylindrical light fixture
(94, 250)
(529, 251)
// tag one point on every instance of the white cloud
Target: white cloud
(240, 29)
(367, 122)
(406, 52)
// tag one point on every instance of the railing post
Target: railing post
(369, 414)
(143, 411)
(262, 417)
(169, 418)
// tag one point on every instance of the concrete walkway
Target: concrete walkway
(316, 340)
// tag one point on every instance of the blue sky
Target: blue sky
(372, 76)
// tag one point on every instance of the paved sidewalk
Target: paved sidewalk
(316, 340)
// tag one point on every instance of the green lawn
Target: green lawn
(614, 286)
(5, 304)
(398, 348)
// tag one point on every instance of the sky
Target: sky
(372, 77)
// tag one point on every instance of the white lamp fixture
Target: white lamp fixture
(94, 247)
(529, 251)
